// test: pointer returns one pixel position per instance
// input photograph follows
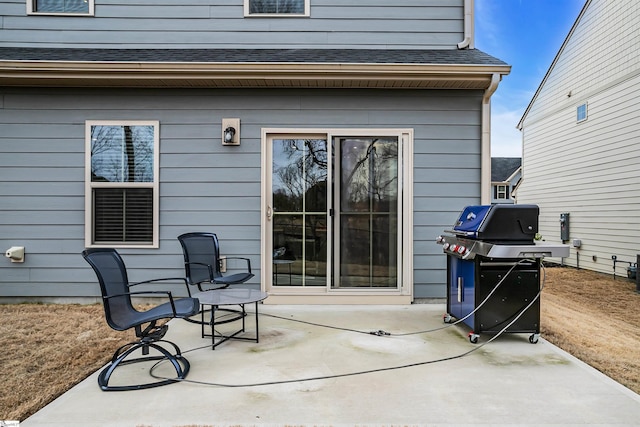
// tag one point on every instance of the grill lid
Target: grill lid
(499, 223)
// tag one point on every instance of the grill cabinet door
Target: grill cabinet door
(517, 290)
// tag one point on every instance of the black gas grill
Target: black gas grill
(491, 245)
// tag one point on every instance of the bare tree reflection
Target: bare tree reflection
(122, 153)
(369, 174)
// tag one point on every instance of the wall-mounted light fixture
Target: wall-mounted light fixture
(230, 131)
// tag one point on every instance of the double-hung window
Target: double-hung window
(60, 7)
(121, 197)
(501, 192)
(276, 7)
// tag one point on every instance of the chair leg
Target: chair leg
(179, 362)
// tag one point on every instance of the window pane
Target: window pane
(315, 254)
(62, 6)
(123, 215)
(138, 218)
(108, 215)
(369, 175)
(582, 112)
(315, 175)
(288, 239)
(276, 6)
(122, 153)
(288, 175)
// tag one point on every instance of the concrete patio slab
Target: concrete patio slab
(300, 374)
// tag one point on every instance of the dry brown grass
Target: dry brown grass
(49, 348)
(595, 318)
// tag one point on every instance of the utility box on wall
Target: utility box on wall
(564, 227)
(637, 273)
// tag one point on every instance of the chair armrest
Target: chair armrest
(167, 293)
(242, 258)
(164, 279)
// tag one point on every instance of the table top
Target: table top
(230, 296)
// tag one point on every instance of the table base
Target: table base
(219, 338)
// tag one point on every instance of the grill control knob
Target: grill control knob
(461, 249)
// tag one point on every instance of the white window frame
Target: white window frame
(307, 13)
(89, 185)
(31, 10)
(586, 112)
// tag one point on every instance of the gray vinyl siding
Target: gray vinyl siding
(424, 24)
(203, 185)
(589, 169)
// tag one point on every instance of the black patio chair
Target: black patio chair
(121, 316)
(202, 263)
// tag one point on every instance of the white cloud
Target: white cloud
(506, 140)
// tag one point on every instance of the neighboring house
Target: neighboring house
(506, 173)
(581, 139)
(345, 134)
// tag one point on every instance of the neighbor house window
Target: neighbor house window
(121, 184)
(501, 192)
(276, 7)
(63, 7)
(581, 112)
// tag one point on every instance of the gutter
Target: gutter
(163, 74)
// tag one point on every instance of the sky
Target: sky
(526, 34)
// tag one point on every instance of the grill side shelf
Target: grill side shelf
(529, 251)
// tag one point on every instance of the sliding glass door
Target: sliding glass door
(334, 212)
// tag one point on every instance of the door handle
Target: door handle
(269, 212)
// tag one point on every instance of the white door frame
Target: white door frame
(326, 295)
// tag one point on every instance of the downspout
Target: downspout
(468, 26)
(485, 162)
(485, 171)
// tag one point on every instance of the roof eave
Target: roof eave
(246, 74)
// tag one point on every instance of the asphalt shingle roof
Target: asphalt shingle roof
(348, 56)
(503, 167)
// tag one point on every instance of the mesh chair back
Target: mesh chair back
(112, 276)
(200, 250)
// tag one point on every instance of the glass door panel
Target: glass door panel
(367, 207)
(299, 192)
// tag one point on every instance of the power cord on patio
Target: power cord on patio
(320, 324)
(381, 332)
(369, 371)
